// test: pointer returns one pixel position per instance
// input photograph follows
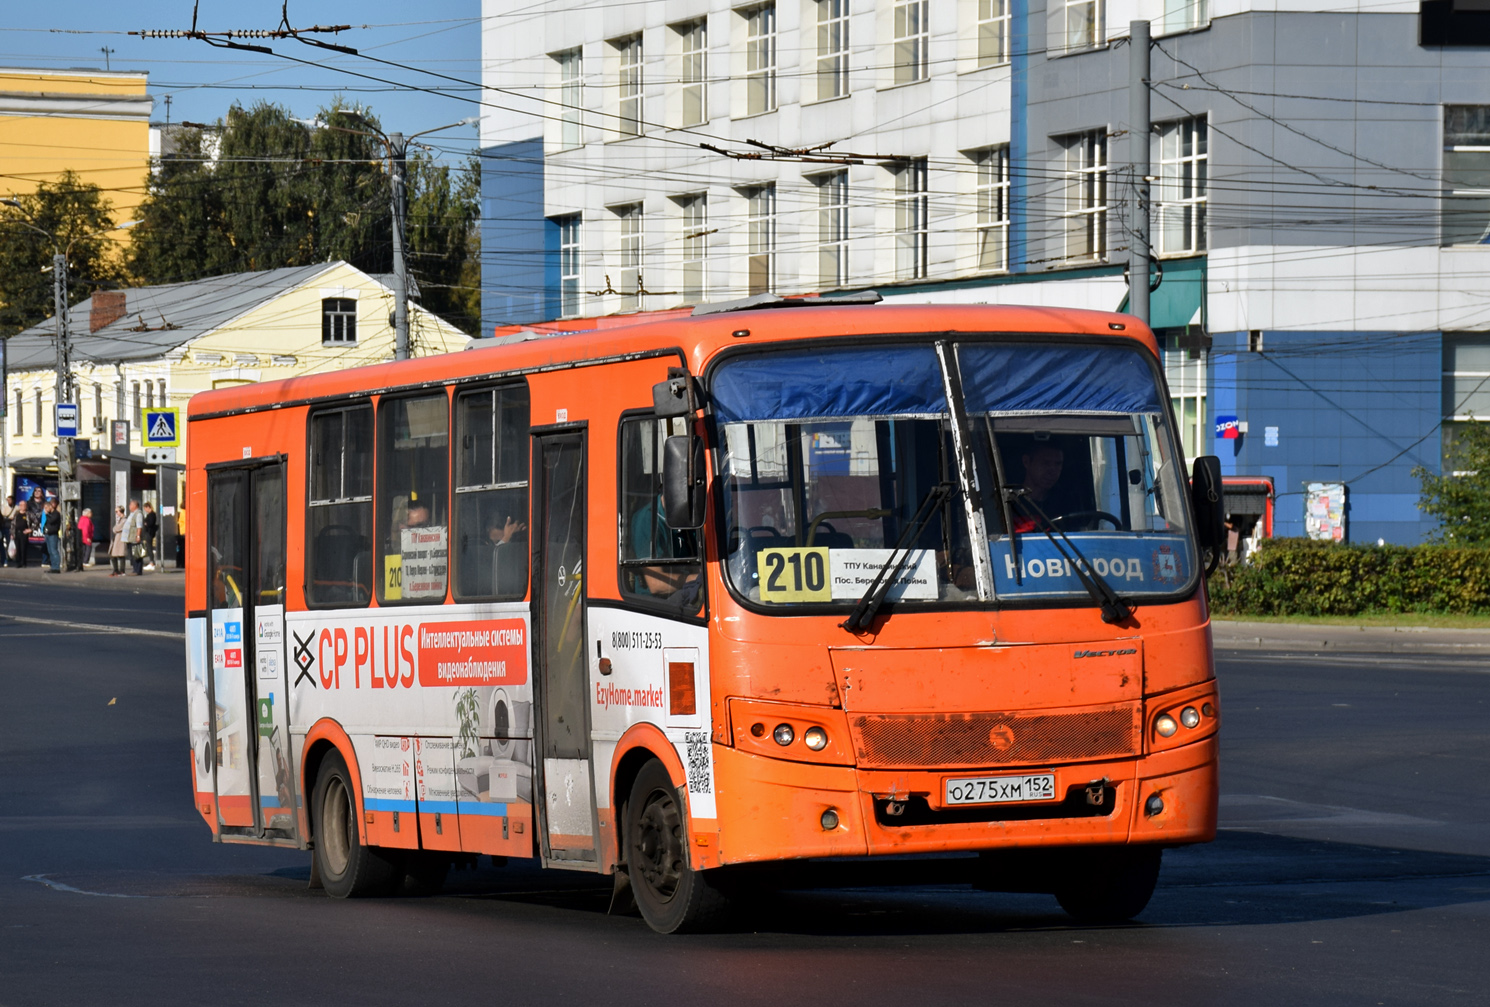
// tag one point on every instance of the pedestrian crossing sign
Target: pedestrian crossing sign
(162, 428)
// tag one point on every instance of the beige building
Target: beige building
(152, 347)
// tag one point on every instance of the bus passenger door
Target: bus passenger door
(249, 726)
(567, 829)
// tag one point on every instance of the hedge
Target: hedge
(1290, 576)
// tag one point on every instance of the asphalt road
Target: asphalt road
(1353, 866)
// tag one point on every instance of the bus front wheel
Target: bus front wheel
(347, 868)
(672, 896)
(1109, 884)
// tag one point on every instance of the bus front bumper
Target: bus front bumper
(771, 809)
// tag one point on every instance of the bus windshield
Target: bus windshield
(827, 455)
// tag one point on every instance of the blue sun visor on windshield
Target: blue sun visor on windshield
(1024, 378)
(848, 381)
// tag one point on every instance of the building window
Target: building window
(161, 384)
(1180, 201)
(832, 49)
(340, 518)
(571, 93)
(658, 562)
(910, 220)
(569, 265)
(1466, 378)
(98, 407)
(149, 394)
(134, 387)
(629, 84)
(694, 37)
(760, 59)
(832, 229)
(993, 32)
(993, 208)
(912, 39)
(491, 493)
(1184, 372)
(20, 413)
(1084, 23)
(1466, 174)
(338, 321)
(1085, 204)
(630, 217)
(761, 224)
(695, 246)
(1182, 15)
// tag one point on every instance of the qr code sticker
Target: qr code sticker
(698, 761)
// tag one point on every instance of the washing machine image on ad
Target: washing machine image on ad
(501, 770)
(201, 731)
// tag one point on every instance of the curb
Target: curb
(1228, 635)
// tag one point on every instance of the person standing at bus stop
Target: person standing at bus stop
(150, 530)
(116, 542)
(7, 515)
(20, 532)
(85, 536)
(51, 534)
(134, 531)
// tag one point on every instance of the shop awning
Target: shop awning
(1180, 296)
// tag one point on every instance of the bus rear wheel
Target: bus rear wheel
(347, 868)
(1109, 884)
(672, 896)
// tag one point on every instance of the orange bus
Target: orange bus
(776, 581)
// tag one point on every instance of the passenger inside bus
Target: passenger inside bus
(658, 562)
(1042, 462)
(509, 558)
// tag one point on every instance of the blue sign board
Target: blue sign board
(67, 419)
(1131, 563)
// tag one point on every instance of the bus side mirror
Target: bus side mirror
(673, 397)
(1210, 507)
(683, 481)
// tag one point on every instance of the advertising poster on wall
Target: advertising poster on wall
(1324, 511)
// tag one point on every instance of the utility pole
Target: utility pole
(65, 450)
(398, 149)
(1138, 137)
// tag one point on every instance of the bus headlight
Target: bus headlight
(1189, 716)
(784, 734)
(815, 738)
(1165, 726)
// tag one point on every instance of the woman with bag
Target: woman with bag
(116, 543)
(134, 527)
(85, 533)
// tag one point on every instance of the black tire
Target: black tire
(1109, 884)
(671, 895)
(347, 868)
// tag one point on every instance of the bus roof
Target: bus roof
(698, 338)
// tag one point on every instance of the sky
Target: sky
(202, 82)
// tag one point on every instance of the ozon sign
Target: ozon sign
(400, 655)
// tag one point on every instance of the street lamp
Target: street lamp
(66, 452)
(398, 147)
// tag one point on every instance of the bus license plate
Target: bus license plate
(1001, 789)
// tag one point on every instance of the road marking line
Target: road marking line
(93, 627)
(42, 879)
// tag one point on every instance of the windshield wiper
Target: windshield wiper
(1114, 609)
(889, 572)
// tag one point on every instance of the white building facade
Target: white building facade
(1320, 192)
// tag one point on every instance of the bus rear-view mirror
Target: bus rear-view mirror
(683, 481)
(1210, 506)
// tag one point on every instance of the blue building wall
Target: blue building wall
(1361, 408)
(519, 247)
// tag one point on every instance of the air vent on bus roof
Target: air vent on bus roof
(776, 301)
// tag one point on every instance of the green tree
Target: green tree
(263, 190)
(444, 239)
(78, 216)
(1461, 497)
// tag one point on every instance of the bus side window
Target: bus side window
(491, 494)
(339, 563)
(413, 498)
(658, 563)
